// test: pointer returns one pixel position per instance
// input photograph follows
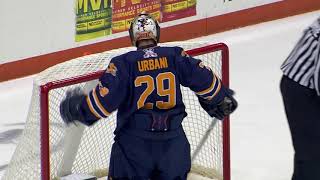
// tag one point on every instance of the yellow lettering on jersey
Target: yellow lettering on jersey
(156, 64)
(152, 64)
(163, 62)
(140, 66)
(146, 65)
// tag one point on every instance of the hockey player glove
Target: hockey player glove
(221, 109)
(70, 106)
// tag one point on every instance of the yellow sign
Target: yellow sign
(93, 19)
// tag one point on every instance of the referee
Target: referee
(300, 88)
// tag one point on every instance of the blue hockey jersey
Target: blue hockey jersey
(148, 80)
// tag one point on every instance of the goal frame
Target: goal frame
(44, 108)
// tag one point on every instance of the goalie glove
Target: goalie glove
(221, 109)
(70, 106)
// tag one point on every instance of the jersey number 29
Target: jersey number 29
(170, 92)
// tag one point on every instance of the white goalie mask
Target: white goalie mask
(144, 26)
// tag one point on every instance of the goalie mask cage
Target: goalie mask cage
(48, 149)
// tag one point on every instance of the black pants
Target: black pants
(302, 106)
(136, 158)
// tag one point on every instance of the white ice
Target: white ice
(260, 140)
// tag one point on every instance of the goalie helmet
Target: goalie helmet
(142, 27)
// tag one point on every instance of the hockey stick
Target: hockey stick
(204, 139)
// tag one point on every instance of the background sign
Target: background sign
(124, 11)
(96, 19)
(176, 9)
(93, 19)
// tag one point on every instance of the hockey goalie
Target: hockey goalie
(144, 86)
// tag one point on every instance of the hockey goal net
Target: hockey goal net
(48, 149)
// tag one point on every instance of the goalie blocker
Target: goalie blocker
(221, 106)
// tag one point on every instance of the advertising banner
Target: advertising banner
(93, 19)
(176, 9)
(124, 11)
(97, 18)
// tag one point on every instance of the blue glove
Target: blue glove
(70, 106)
(221, 109)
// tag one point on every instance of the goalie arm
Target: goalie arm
(216, 99)
(99, 102)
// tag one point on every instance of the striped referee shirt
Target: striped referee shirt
(303, 63)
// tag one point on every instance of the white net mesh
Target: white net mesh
(79, 149)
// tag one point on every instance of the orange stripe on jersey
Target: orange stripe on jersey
(91, 108)
(217, 90)
(100, 106)
(206, 91)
